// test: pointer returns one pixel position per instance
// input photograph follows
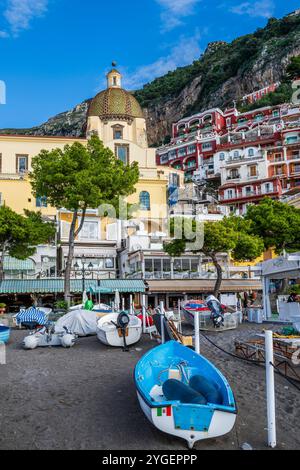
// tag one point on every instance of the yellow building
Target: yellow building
(117, 118)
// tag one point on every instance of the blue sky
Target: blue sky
(54, 53)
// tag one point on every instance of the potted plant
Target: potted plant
(61, 305)
(2, 309)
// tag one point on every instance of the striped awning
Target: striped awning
(13, 264)
(56, 286)
(122, 285)
(42, 286)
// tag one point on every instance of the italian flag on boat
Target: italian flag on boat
(161, 412)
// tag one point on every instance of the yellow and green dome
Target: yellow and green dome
(115, 103)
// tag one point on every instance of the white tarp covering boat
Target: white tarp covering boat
(79, 322)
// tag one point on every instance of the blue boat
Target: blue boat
(183, 394)
(4, 334)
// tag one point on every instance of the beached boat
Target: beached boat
(183, 394)
(4, 334)
(191, 307)
(211, 315)
(110, 334)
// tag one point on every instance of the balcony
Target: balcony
(233, 177)
(294, 156)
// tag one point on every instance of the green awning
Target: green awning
(42, 286)
(122, 285)
(13, 264)
(56, 286)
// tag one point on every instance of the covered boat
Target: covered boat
(183, 394)
(79, 322)
(109, 330)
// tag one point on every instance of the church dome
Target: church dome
(115, 103)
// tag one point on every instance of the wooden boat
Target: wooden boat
(4, 334)
(195, 421)
(109, 333)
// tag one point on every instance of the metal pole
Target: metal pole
(197, 332)
(131, 306)
(83, 277)
(162, 323)
(144, 313)
(270, 389)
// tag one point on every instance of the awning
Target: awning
(13, 264)
(56, 286)
(199, 286)
(122, 285)
(41, 286)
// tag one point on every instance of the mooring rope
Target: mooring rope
(251, 361)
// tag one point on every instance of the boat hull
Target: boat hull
(4, 334)
(221, 424)
(231, 321)
(109, 335)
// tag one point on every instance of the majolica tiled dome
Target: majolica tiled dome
(115, 103)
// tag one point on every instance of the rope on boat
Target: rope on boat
(254, 362)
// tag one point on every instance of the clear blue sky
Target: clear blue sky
(54, 53)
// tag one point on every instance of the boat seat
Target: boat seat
(178, 391)
(207, 388)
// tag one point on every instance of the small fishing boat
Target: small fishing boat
(110, 330)
(4, 334)
(212, 315)
(183, 394)
(195, 306)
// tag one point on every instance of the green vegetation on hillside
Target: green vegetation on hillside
(284, 92)
(224, 62)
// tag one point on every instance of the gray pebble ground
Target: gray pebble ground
(84, 398)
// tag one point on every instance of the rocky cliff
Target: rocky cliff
(223, 74)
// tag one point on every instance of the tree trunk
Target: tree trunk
(3, 249)
(219, 275)
(72, 237)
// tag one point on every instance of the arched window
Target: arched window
(145, 201)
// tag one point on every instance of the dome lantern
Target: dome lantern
(114, 78)
(115, 103)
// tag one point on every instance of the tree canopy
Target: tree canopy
(230, 236)
(277, 223)
(20, 235)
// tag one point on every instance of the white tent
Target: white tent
(80, 322)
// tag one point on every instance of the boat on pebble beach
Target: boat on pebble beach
(183, 394)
